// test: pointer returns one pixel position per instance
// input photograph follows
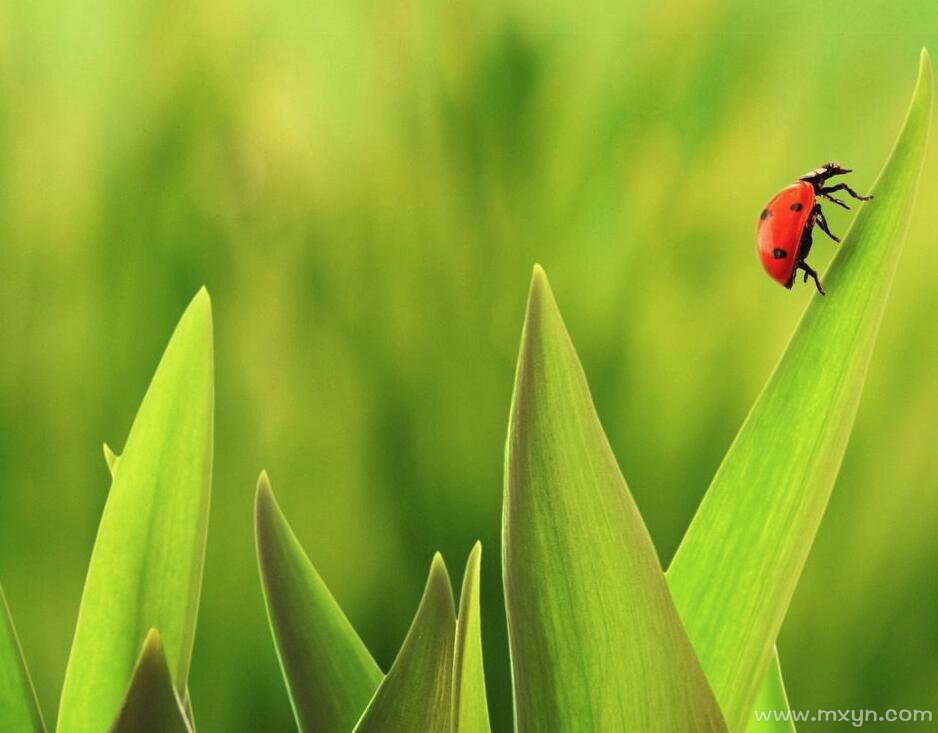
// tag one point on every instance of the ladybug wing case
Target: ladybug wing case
(781, 224)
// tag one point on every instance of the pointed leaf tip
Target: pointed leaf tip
(470, 577)
(438, 565)
(203, 297)
(264, 494)
(470, 704)
(151, 705)
(589, 613)
(201, 307)
(329, 673)
(152, 643)
(923, 83)
(924, 69)
(540, 299)
(146, 565)
(416, 694)
(111, 458)
(439, 585)
(540, 290)
(544, 331)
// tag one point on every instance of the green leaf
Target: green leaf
(146, 566)
(329, 673)
(111, 458)
(771, 699)
(596, 643)
(187, 709)
(470, 706)
(416, 694)
(19, 709)
(151, 704)
(737, 567)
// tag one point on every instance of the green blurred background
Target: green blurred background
(364, 188)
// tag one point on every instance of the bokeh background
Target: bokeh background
(364, 188)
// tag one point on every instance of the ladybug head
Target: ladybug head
(835, 169)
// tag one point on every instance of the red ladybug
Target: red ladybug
(783, 235)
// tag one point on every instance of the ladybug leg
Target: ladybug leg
(844, 187)
(811, 272)
(831, 198)
(822, 223)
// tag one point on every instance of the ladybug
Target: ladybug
(783, 234)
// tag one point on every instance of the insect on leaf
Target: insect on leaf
(736, 569)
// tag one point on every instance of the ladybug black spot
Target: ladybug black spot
(779, 254)
(796, 206)
(765, 214)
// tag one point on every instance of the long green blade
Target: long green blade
(416, 694)
(19, 709)
(736, 569)
(146, 566)
(112, 460)
(329, 673)
(470, 706)
(596, 643)
(771, 704)
(151, 705)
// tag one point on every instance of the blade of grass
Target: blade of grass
(146, 566)
(771, 699)
(330, 675)
(187, 708)
(470, 706)
(112, 459)
(416, 694)
(19, 709)
(736, 569)
(151, 704)
(595, 640)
